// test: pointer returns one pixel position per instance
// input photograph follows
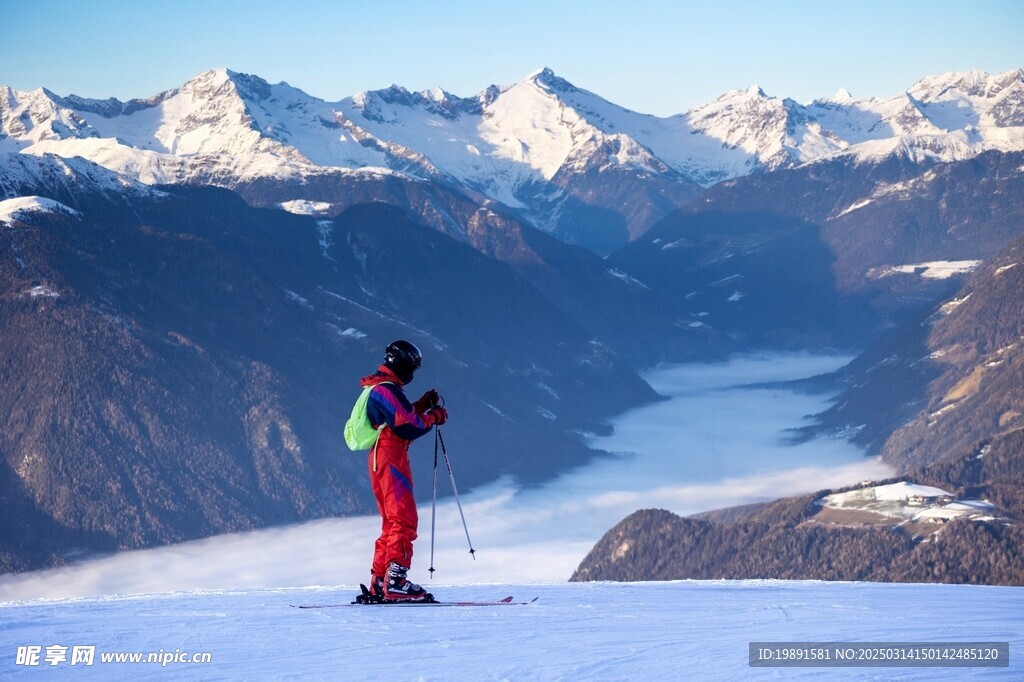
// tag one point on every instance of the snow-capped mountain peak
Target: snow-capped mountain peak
(523, 145)
(206, 80)
(971, 84)
(547, 79)
(525, 131)
(842, 96)
(771, 132)
(972, 99)
(755, 91)
(395, 103)
(35, 115)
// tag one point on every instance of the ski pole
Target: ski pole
(455, 490)
(433, 506)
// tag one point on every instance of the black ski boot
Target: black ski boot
(397, 587)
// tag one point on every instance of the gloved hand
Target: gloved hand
(428, 400)
(438, 414)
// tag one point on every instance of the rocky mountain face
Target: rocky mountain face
(180, 364)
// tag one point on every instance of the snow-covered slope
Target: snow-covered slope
(21, 207)
(580, 631)
(948, 117)
(506, 142)
(220, 127)
(27, 174)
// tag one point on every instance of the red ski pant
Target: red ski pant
(391, 478)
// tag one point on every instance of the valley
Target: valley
(192, 282)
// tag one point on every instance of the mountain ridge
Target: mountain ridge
(528, 145)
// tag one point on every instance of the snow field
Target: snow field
(935, 269)
(588, 631)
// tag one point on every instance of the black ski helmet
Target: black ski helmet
(403, 358)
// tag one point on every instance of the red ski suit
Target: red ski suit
(390, 472)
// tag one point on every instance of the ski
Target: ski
(364, 599)
(507, 601)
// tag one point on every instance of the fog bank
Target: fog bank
(717, 442)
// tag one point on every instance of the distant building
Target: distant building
(921, 499)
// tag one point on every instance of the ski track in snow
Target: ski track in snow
(589, 631)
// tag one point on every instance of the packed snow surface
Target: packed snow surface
(588, 631)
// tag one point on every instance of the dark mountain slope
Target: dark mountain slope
(641, 325)
(822, 244)
(764, 279)
(785, 540)
(182, 364)
(947, 382)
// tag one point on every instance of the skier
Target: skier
(390, 472)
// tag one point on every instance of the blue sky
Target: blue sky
(659, 57)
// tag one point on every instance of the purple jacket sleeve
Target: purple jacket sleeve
(388, 405)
